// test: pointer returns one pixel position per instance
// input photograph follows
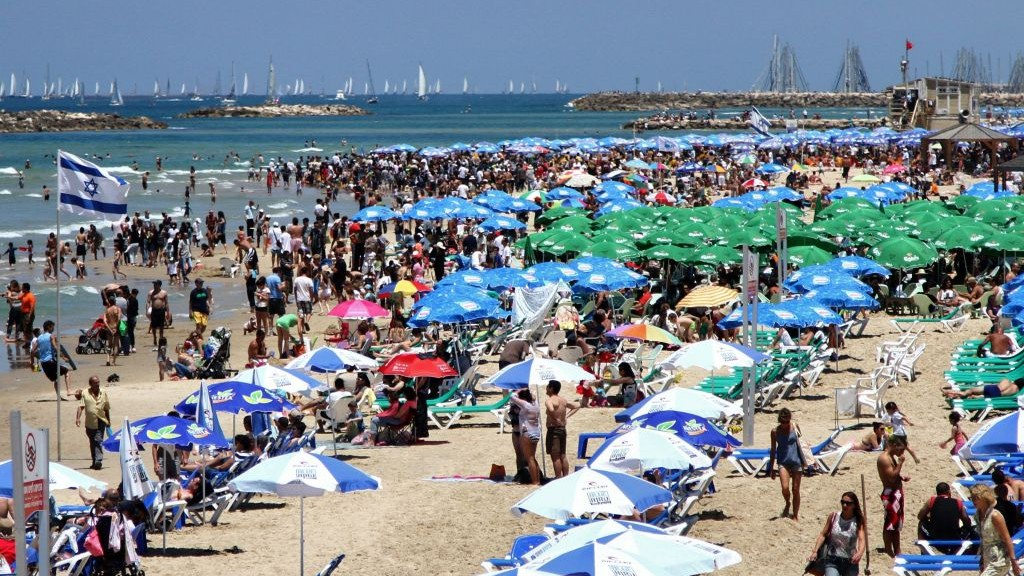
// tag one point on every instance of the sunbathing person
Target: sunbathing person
(414, 340)
(872, 440)
(998, 342)
(1003, 389)
(396, 415)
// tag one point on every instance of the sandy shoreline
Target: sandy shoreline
(448, 528)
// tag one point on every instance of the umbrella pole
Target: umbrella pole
(302, 535)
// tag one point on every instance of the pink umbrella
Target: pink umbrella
(894, 169)
(357, 309)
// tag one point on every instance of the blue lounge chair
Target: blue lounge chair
(520, 546)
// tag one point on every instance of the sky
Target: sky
(590, 45)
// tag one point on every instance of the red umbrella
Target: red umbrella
(357, 309)
(754, 182)
(413, 365)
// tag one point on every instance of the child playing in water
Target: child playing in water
(898, 421)
(956, 435)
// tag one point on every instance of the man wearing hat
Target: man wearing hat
(437, 256)
(199, 302)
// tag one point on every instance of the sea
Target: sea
(206, 143)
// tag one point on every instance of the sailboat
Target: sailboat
(522, 88)
(371, 93)
(182, 93)
(156, 89)
(195, 97)
(558, 86)
(47, 87)
(13, 86)
(387, 87)
(437, 86)
(271, 88)
(405, 83)
(28, 89)
(245, 84)
(96, 89)
(348, 87)
(533, 86)
(115, 97)
(79, 93)
(231, 97)
(421, 85)
(167, 88)
(465, 85)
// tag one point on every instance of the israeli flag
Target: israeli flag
(87, 189)
(758, 122)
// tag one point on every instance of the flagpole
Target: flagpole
(56, 330)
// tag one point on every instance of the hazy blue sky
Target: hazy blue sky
(589, 44)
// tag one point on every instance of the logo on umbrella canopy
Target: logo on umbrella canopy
(468, 305)
(257, 397)
(785, 314)
(618, 567)
(693, 428)
(619, 454)
(165, 433)
(305, 472)
(911, 257)
(598, 497)
(197, 431)
(223, 396)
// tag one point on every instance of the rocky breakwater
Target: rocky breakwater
(62, 121)
(276, 111)
(669, 122)
(645, 101)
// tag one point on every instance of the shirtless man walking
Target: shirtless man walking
(557, 411)
(156, 303)
(112, 318)
(890, 472)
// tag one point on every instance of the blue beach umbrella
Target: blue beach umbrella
(501, 223)
(505, 278)
(463, 278)
(554, 272)
(643, 449)
(821, 276)
(838, 297)
(1004, 435)
(326, 359)
(274, 378)
(687, 400)
(563, 193)
(166, 430)
(536, 371)
(589, 491)
(638, 164)
(236, 397)
(771, 168)
(808, 313)
(375, 214)
(455, 306)
(693, 429)
(858, 266)
(61, 478)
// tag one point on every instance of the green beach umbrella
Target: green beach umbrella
(559, 212)
(844, 205)
(664, 237)
(612, 236)
(749, 236)
(716, 255)
(833, 227)
(997, 212)
(771, 206)
(919, 206)
(612, 250)
(1004, 242)
(571, 244)
(808, 255)
(698, 232)
(669, 252)
(929, 231)
(537, 237)
(923, 218)
(902, 253)
(573, 223)
(965, 202)
(700, 213)
(553, 236)
(966, 237)
(810, 239)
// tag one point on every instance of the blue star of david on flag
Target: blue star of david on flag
(90, 187)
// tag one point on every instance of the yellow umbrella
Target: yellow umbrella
(708, 296)
(798, 167)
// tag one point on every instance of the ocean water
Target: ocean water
(205, 142)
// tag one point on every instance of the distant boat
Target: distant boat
(404, 84)
(522, 88)
(156, 89)
(465, 85)
(387, 87)
(437, 86)
(195, 97)
(28, 89)
(231, 97)
(371, 94)
(271, 86)
(245, 84)
(340, 94)
(115, 97)
(421, 84)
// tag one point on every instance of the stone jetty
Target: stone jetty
(276, 111)
(675, 122)
(62, 121)
(650, 101)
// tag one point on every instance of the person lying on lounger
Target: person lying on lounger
(1003, 389)
(998, 342)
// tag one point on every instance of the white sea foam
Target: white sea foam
(10, 235)
(121, 170)
(9, 171)
(208, 171)
(34, 195)
(5, 192)
(310, 149)
(277, 205)
(90, 290)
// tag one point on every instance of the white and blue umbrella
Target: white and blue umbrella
(235, 397)
(463, 279)
(822, 275)
(588, 492)
(713, 355)
(1004, 435)
(375, 214)
(583, 548)
(683, 400)
(858, 266)
(694, 430)
(504, 278)
(455, 305)
(536, 371)
(167, 430)
(61, 478)
(303, 474)
(501, 223)
(327, 359)
(643, 449)
(554, 272)
(274, 378)
(807, 312)
(837, 297)
(563, 193)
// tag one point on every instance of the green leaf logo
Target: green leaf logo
(257, 397)
(165, 433)
(666, 426)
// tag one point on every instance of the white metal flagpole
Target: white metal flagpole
(57, 325)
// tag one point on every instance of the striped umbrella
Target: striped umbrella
(646, 332)
(708, 296)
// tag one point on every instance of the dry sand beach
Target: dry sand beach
(412, 525)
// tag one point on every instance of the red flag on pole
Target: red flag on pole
(910, 45)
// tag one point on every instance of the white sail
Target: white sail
(558, 86)
(60, 86)
(96, 89)
(437, 86)
(465, 85)
(156, 89)
(3, 89)
(511, 87)
(421, 84)
(533, 87)
(28, 89)
(366, 89)
(13, 85)
(405, 83)
(387, 86)
(522, 87)
(348, 87)
(245, 84)
(302, 86)
(115, 98)
(182, 93)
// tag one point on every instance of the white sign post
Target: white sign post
(782, 247)
(30, 463)
(750, 280)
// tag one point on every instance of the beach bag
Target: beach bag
(92, 543)
(816, 567)
(497, 473)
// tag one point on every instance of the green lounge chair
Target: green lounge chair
(447, 416)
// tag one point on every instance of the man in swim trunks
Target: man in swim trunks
(557, 410)
(1003, 389)
(890, 472)
(156, 303)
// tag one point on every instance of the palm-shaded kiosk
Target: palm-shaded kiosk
(967, 132)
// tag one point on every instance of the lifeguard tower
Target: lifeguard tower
(933, 103)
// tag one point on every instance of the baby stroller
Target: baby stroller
(216, 353)
(93, 340)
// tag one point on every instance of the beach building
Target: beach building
(933, 103)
